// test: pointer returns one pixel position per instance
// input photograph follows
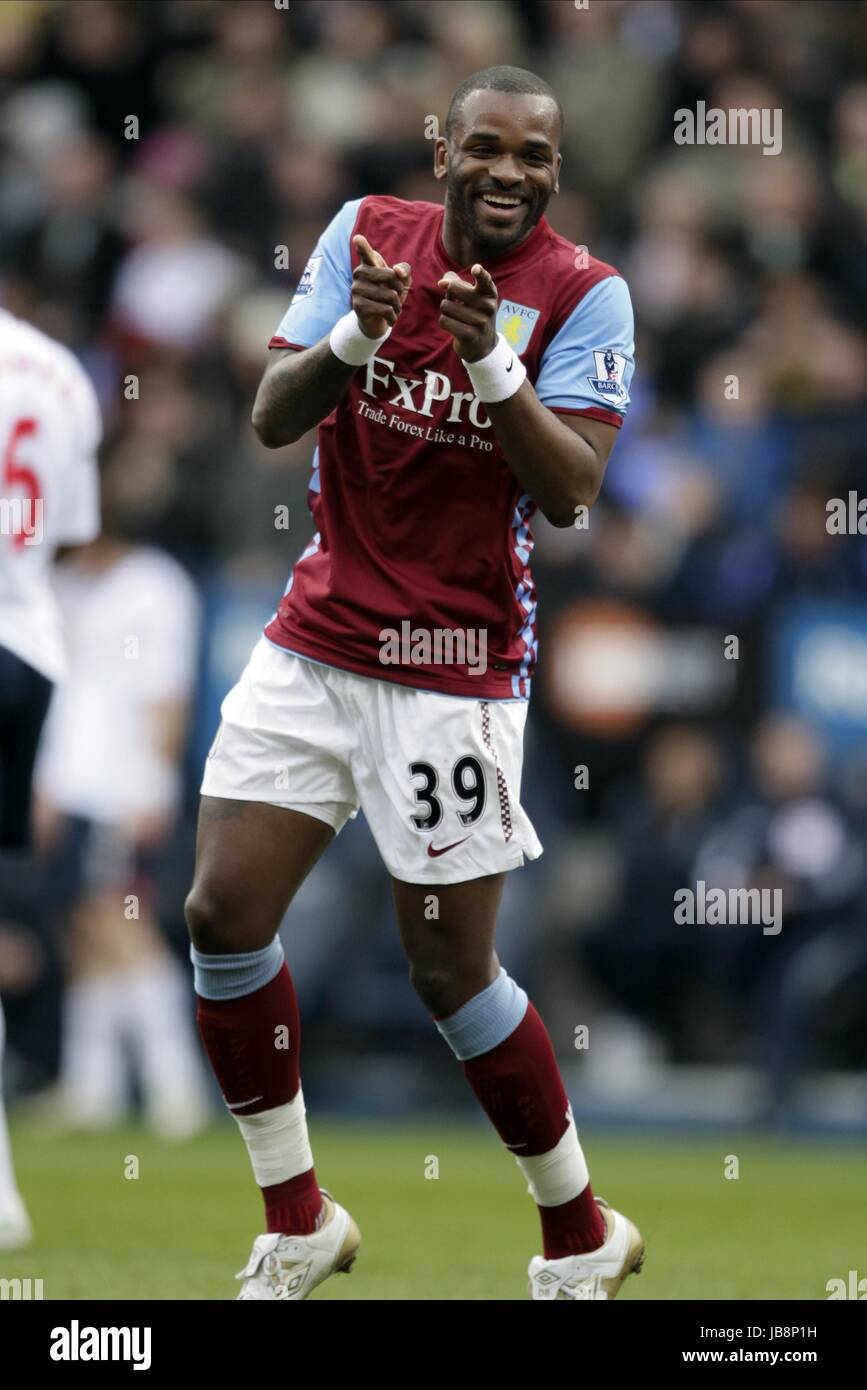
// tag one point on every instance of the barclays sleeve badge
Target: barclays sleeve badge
(608, 381)
(308, 279)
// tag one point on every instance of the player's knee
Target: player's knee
(212, 926)
(440, 988)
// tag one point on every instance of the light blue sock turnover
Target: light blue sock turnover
(230, 977)
(486, 1020)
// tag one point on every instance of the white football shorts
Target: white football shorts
(437, 776)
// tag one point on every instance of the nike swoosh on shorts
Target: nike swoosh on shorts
(435, 853)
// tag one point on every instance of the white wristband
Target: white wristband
(497, 376)
(350, 344)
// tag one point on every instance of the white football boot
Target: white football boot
(284, 1267)
(597, 1274)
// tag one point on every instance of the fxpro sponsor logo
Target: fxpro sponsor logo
(737, 126)
(417, 395)
(77, 1343)
(438, 646)
(21, 518)
(717, 907)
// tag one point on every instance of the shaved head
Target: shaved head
(503, 78)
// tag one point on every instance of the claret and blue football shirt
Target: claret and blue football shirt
(419, 518)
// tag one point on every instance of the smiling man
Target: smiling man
(464, 365)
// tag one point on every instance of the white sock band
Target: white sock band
(497, 376)
(277, 1142)
(559, 1175)
(350, 344)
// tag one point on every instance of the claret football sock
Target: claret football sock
(508, 1060)
(282, 1162)
(247, 1014)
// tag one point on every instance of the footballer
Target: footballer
(464, 365)
(50, 432)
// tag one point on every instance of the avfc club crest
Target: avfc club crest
(516, 323)
(608, 381)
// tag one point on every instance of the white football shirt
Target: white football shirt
(50, 430)
(134, 644)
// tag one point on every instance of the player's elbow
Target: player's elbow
(559, 517)
(267, 430)
(569, 510)
(267, 435)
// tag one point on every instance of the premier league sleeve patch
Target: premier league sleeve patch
(608, 381)
(308, 280)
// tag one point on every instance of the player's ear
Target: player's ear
(441, 158)
(557, 173)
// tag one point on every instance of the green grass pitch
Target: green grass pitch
(793, 1219)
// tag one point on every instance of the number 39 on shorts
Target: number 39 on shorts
(467, 786)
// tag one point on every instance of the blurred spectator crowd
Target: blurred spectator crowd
(166, 167)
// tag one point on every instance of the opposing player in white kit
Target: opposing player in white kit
(50, 431)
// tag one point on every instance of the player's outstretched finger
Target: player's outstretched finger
(484, 283)
(366, 251)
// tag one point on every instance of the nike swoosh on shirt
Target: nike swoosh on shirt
(511, 364)
(435, 853)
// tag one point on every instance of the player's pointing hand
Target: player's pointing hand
(378, 289)
(469, 313)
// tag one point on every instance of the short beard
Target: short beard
(462, 208)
